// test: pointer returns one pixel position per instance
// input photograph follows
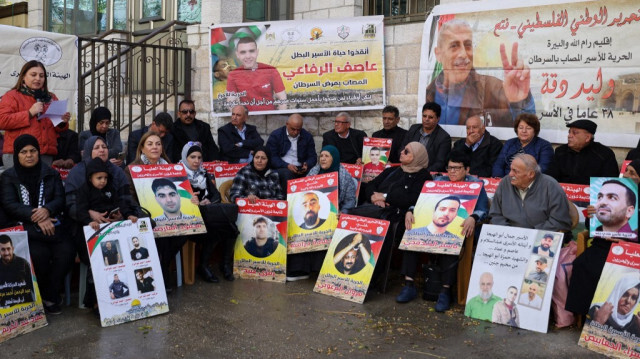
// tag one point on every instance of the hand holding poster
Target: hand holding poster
(612, 327)
(165, 191)
(352, 257)
(131, 286)
(376, 155)
(260, 250)
(439, 213)
(21, 309)
(313, 212)
(516, 263)
(616, 204)
(356, 173)
(224, 174)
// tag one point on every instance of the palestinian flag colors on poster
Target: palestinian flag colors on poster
(224, 174)
(356, 173)
(615, 200)
(261, 246)
(352, 256)
(165, 191)
(21, 309)
(439, 213)
(612, 327)
(313, 212)
(375, 155)
(126, 271)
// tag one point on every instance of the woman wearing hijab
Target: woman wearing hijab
(32, 194)
(99, 126)
(618, 310)
(300, 265)
(218, 217)
(19, 111)
(256, 180)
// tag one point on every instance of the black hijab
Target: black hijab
(268, 153)
(29, 177)
(99, 114)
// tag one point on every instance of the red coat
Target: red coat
(15, 120)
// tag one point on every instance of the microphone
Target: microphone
(38, 115)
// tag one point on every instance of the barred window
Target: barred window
(396, 11)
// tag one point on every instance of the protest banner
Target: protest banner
(375, 153)
(260, 250)
(126, 271)
(439, 213)
(21, 309)
(165, 191)
(616, 202)
(612, 327)
(356, 173)
(313, 212)
(352, 256)
(578, 64)
(490, 185)
(298, 65)
(224, 174)
(512, 276)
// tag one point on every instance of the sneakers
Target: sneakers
(443, 303)
(408, 294)
(296, 276)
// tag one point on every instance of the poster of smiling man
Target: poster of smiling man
(616, 205)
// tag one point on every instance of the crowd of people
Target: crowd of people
(99, 188)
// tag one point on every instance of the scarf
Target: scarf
(30, 181)
(145, 160)
(40, 94)
(624, 284)
(198, 177)
(420, 158)
(99, 114)
(335, 155)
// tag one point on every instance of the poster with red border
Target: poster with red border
(376, 162)
(313, 212)
(261, 246)
(623, 168)
(612, 328)
(356, 173)
(171, 206)
(439, 213)
(490, 185)
(224, 174)
(352, 256)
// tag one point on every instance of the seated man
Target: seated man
(188, 128)
(481, 146)
(293, 151)
(348, 140)
(433, 137)
(161, 124)
(390, 129)
(237, 138)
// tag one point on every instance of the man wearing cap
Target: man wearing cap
(539, 273)
(544, 249)
(582, 157)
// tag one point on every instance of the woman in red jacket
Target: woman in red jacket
(19, 111)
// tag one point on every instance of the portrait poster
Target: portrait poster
(352, 256)
(512, 276)
(490, 185)
(313, 212)
(579, 196)
(224, 174)
(356, 173)
(302, 65)
(561, 60)
(439, 213)
(375, 155)
(21, 309)
(616, 203)
(612, 327)
(126, 271)
(165, 191)
(261, 246)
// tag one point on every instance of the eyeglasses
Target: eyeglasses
(454, 168)
(194, 143)
(341, 122)
(184, 112)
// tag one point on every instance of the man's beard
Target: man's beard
(545, 247)
(443, 225)
(310, 218)
(486, 295)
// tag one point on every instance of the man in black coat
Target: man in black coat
(433, 137)
(237, 139)
(161, 124)
(188, 128)
(346, 139)
(390, 129)
(482, 148)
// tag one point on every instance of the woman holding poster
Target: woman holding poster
(256, 180)
(617, 312)
(32, 193)
(20, 112)
(329, 161)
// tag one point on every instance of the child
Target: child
(100, 196)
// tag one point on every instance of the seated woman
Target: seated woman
(32, 194)
(618, 310)
(300, 265)
(527, 128)
(99, 126)
(219, 218)
(256, 180)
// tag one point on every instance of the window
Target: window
(85, 17)
(268, 10)
(396, 11)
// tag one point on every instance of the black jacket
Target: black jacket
(438, 148)
(402, 189)
(228, 137)
(68, 146)
(210, 151)
(396, 134)
(483, 157)
(595, 160)
(356, 139)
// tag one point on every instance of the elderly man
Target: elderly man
(162, 125)
(433, 137)
(582, 157)
(481, 306)
(463, 93)
(237, 138)
(482, 147)
(390, 129)
(348, 140)
(529, 199)
(293, 151)
(188, 128)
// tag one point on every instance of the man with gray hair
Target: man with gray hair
(481, 147)
(527, 198)
(462, 92)
(237, 138)
(346, 139)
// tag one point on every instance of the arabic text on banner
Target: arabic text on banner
(375, 152)
(616, 204)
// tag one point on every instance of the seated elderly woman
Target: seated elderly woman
(219, 218)
(300, 265)
(32, 194)
(256, 180)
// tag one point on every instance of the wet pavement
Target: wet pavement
(253, 319)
